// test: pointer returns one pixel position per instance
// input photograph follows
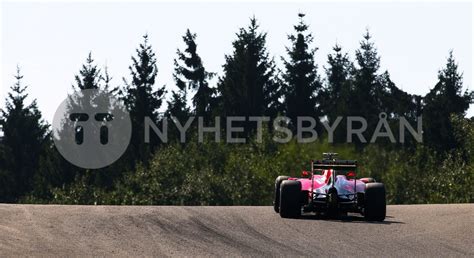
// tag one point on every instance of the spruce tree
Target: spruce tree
(89, 76)
(396, 102)
(366, 74)
(368, 93)
(443, 101)
(302, 83)
(337, 94)
(374, 93)
(142, 99)
(25, 134)
(190, 74)
(177, 106)
(249, 86)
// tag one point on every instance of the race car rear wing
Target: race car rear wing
(337, 164)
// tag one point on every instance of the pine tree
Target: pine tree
(25, 134)
(249, 86)
(337, 94)
(142, 99)
(444, 100)
(190, 74)
(302, 83)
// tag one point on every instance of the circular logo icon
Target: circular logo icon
(91, 129)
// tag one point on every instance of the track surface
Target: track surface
(415, 230)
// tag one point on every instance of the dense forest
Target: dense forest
(438, 170)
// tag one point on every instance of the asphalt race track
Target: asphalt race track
(414, 230)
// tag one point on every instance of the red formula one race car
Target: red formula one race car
(331, 187)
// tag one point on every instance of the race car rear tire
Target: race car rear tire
(375, 202)
(290, 201)
(276, 197)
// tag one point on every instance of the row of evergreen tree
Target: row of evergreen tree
(251, 85)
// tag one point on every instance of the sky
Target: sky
(51, 40)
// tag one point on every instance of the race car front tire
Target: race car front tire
(375, 202)
(276, 197)
(290, 201)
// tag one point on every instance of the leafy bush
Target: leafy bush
(212, 173)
